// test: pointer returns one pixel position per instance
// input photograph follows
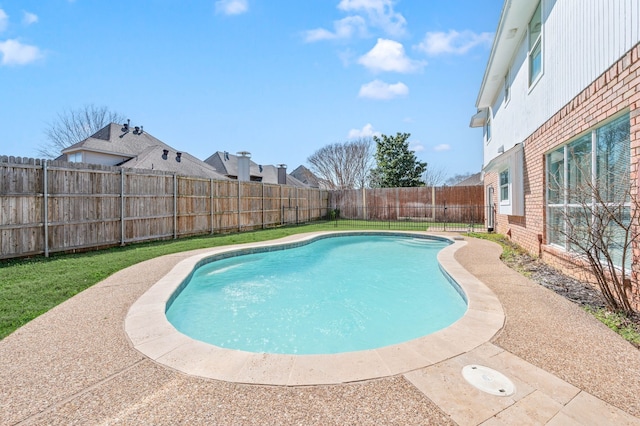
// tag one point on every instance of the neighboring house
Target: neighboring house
(307, 177)
(473, 180)
(559, 102)
(241, 167)
(121, 145)
(166, 160)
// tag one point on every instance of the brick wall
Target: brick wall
(616, 90)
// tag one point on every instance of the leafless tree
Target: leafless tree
(75, 125)
(599, 225)
(343, 165)
(433, 176)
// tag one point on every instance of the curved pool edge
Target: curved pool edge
(151, 333)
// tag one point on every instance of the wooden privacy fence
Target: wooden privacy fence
(50, 206)
(462, 204)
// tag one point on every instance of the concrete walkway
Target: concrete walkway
(76, 365)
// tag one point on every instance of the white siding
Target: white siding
(581, 40)
(101, 158)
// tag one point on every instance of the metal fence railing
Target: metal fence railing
(432, 218)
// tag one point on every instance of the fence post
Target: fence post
(45, 198)
(433, 203)
(263, 217)
(239, 213)
(211, 205)
(445, 215)
(364, 203)
(175, 206)
(122, 205)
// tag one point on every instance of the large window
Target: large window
(535, 45)
(584, 176)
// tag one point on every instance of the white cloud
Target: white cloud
(366, 132)
(29, 18)
(416, 147)
(15, 53)
(453, 42)
(380, 90)
(232, 7)
(442, 147)
(362, 15)
(343, 29)
(4, 20)
(389, 55)
(380, 14)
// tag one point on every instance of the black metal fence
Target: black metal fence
(433, 218)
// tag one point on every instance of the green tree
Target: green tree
(397, 166)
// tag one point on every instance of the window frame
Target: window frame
(534, 46)
(507, 86)
(487, 128)
(74, 157)
(563, 202)
(504, 186)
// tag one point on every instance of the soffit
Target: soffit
(512, 27)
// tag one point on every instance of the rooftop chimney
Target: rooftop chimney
(282, 174)
(244, 165)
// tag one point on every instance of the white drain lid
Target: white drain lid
(488, 380)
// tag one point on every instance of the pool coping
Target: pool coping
(151, 333)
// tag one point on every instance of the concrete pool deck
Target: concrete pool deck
(76, 364)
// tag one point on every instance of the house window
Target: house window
(504, 187)
(535, 45)
(75, 157)
(507, 87)
(585, 175)
(487, 129)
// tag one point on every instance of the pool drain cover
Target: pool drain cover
(488, 380)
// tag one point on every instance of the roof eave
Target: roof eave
(501, 159)
(512, 27)
(479, 119)
(71, 150)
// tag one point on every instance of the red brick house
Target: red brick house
(560, 95)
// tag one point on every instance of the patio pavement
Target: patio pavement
(76, 365)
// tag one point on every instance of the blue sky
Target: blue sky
(280, 79)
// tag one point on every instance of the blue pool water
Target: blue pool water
(338, 294)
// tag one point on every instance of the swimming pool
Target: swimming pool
(150, 333)
(332, 295)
